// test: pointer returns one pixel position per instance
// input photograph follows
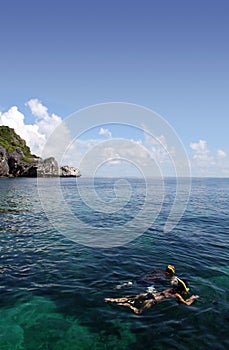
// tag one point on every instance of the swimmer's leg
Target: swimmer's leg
(133, 308)
(116, 300)
(147, 304)
(125, 299)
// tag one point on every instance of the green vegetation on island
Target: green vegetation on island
(11, 142)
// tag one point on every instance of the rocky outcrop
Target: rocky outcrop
(48, 167)
(69, 171)
(17, 163)
(4, 167)
(12, 165)
(16, 159)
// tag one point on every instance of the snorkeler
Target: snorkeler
(157, 276)
(144, 301)
(154, 277)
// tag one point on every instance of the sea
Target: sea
(53, 285)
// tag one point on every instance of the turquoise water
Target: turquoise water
(52, 289)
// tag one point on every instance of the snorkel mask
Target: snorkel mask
(176, 281)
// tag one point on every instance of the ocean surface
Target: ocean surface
(52, 288)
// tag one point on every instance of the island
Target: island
(16, 159)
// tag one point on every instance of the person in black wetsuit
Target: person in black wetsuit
(157, 276)
(151, 278)
(140, 302)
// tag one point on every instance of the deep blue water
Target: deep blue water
(52, 288)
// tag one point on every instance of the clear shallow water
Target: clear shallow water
(52, 289)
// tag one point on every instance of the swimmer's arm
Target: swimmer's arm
(187, 301)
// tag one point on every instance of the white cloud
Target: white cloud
(12, 117)
(161, 139)
(221, 153)
(46, 123)
(201, 151)
(105, 132)
(30, 133)
(158, 149)
(35, 134)
(125, 153)
(37, 108)
(207, 163)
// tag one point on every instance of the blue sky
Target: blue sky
(169, 56)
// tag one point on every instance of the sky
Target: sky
(172, 57)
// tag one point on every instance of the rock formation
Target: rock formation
(69, 171)
(17, 160)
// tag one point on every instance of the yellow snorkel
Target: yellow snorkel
(184, 285)
(171, 269)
